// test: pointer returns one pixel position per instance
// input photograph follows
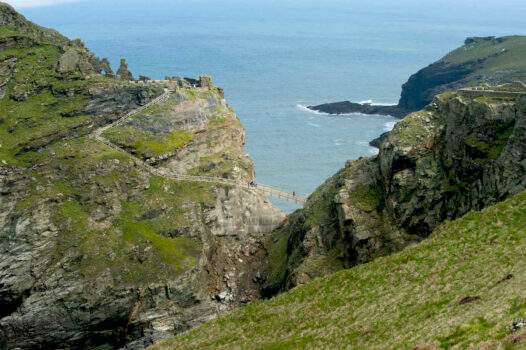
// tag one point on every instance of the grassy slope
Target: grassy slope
(47, 112)
(140, 213)
(399, 301)
(508, 54)
(138, 237)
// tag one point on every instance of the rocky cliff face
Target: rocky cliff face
(459, 154)
(95, 251)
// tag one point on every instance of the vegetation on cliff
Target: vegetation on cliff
(481, 60)
(44, 105)
(95, 251)
(462, 286)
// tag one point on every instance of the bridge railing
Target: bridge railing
(276, 193)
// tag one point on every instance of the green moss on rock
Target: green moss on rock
(147, 144)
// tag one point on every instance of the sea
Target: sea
(274, 58)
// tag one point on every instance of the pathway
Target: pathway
(266, 190)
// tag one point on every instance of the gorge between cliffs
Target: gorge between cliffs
(129, 211)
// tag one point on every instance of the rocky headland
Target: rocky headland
(481, 60)
(96, 251)
(101, 249)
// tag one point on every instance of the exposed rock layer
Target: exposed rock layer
(458, 154)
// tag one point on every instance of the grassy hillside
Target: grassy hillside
(506, 53)
(480, 60)
(464, 285)
(39, 104)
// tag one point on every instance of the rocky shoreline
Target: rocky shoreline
(346, 107)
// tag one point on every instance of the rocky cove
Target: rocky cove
(98, 252)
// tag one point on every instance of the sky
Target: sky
(36, 3)
(40, 3)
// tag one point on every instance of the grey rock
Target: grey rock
(457, 155)
(517, 325)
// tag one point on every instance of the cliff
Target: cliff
(101, 246)
(480, 60)
(463, 152)
(453, 173)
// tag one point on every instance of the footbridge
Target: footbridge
(163, 172)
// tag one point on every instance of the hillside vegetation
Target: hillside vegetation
(463, 286)
(480, 60)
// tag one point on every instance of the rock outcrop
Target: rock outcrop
(460, 153)
(101, 65)
(346, 107)
(123, 73)
(95, 251)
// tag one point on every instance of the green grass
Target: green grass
(8, 31)
(48, 113)
(399, 301)
(140, 238)
(193, 94)
(216, 165)
(449, 94)
(494, 99)
(365, 197)
(415, 128)
(160, 108)
(496, 59)
(491, 147)
(145, 143)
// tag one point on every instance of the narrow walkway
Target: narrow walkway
(266, 190)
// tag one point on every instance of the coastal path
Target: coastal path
(264, 189)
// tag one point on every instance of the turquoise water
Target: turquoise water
(273, 57)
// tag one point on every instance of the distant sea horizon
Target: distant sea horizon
(275, 58)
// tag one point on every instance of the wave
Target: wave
(313, 124)
(373, 150)
(366, 102)
(389, 126)
(361, 143)
(306, 109)
(370, 102)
